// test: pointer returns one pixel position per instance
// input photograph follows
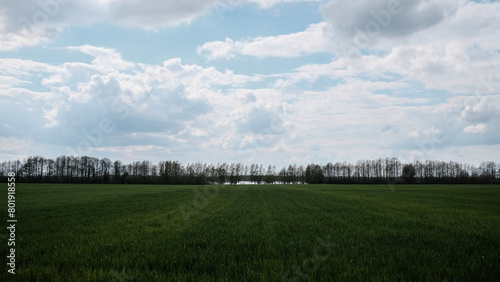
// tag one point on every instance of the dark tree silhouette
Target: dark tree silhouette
(86, 169)
(409, 173)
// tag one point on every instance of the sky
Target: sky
(251, 81)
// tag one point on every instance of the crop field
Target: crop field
(71, 232)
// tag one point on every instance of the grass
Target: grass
(255, 233)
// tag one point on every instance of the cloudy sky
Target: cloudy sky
(252, 81)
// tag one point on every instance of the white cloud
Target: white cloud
(310, 41)
(418, 90)
(362, 23)
(23, 68)
(7, 82)
(28, 24)
(21, 38)
(478, 128)
(455, 52)
(24, 23)
(154, 98)
(219, 49)
(106, 59)
(51, 116)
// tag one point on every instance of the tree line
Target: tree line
(85, 169)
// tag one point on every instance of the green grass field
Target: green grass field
(255, 233)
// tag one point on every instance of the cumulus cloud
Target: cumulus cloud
(369, 20)
(23, 23)
(480, 109)
(154, 98)
(443, 34)
(426, 86)
(310, 41)
(424, 59)
(478, 128)
(453, 52)
(219, 49)
(260, 121)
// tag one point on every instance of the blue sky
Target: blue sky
(257, 81)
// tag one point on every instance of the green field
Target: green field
(71, 232)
